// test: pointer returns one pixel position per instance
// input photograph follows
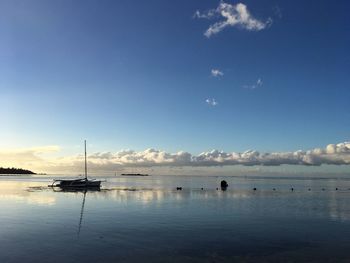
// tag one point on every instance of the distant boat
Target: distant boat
(79, 183)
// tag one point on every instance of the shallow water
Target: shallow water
(135, 219)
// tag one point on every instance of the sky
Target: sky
(184, 76)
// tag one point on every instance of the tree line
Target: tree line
(14, 171)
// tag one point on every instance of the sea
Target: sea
(146, 219)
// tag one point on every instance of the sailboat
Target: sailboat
(79, 183)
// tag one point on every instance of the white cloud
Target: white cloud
(255, 85)
(209, 14)
(233, 15)
(332, 154)
(25, 158)
(211, 102)
(216, 73)
(336, 154)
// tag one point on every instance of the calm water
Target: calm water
(143, 219)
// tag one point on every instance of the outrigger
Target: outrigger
(80, 183)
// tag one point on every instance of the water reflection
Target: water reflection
(81, 212)
(25, 192)
(316, 202)
(339, 207)
(154, 196)
(83, 191)
(162, 224)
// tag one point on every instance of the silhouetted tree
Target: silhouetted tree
(14, 171)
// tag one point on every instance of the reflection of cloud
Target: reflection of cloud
(17, 191)
(41, 199)
(138, 195)
(143, 196)
(233, 16)
(338, 207)
(157, 196)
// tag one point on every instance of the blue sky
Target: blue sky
(137, 74)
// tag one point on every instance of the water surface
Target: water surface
(135, 219)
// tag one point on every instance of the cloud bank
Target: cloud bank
(334, 154)
(232, 15)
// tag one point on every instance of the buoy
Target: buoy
(223, 183)
(178, 188)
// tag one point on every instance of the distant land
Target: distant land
(14, 171)
(132, 174)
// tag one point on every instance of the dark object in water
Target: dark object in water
(179, 188)
(202, 188)
(336, 189)
(309, 189)
(292, 189)
(223, 184)
(84, 183)
(274, 189)
(254, 188)
(132, 174)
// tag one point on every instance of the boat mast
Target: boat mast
(85, 161)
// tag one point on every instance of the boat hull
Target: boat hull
(78, 183)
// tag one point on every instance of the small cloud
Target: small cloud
(277, 11)
(211, 102)
(216, 73)
(257, 84)
(233, 15)
(209, 14)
